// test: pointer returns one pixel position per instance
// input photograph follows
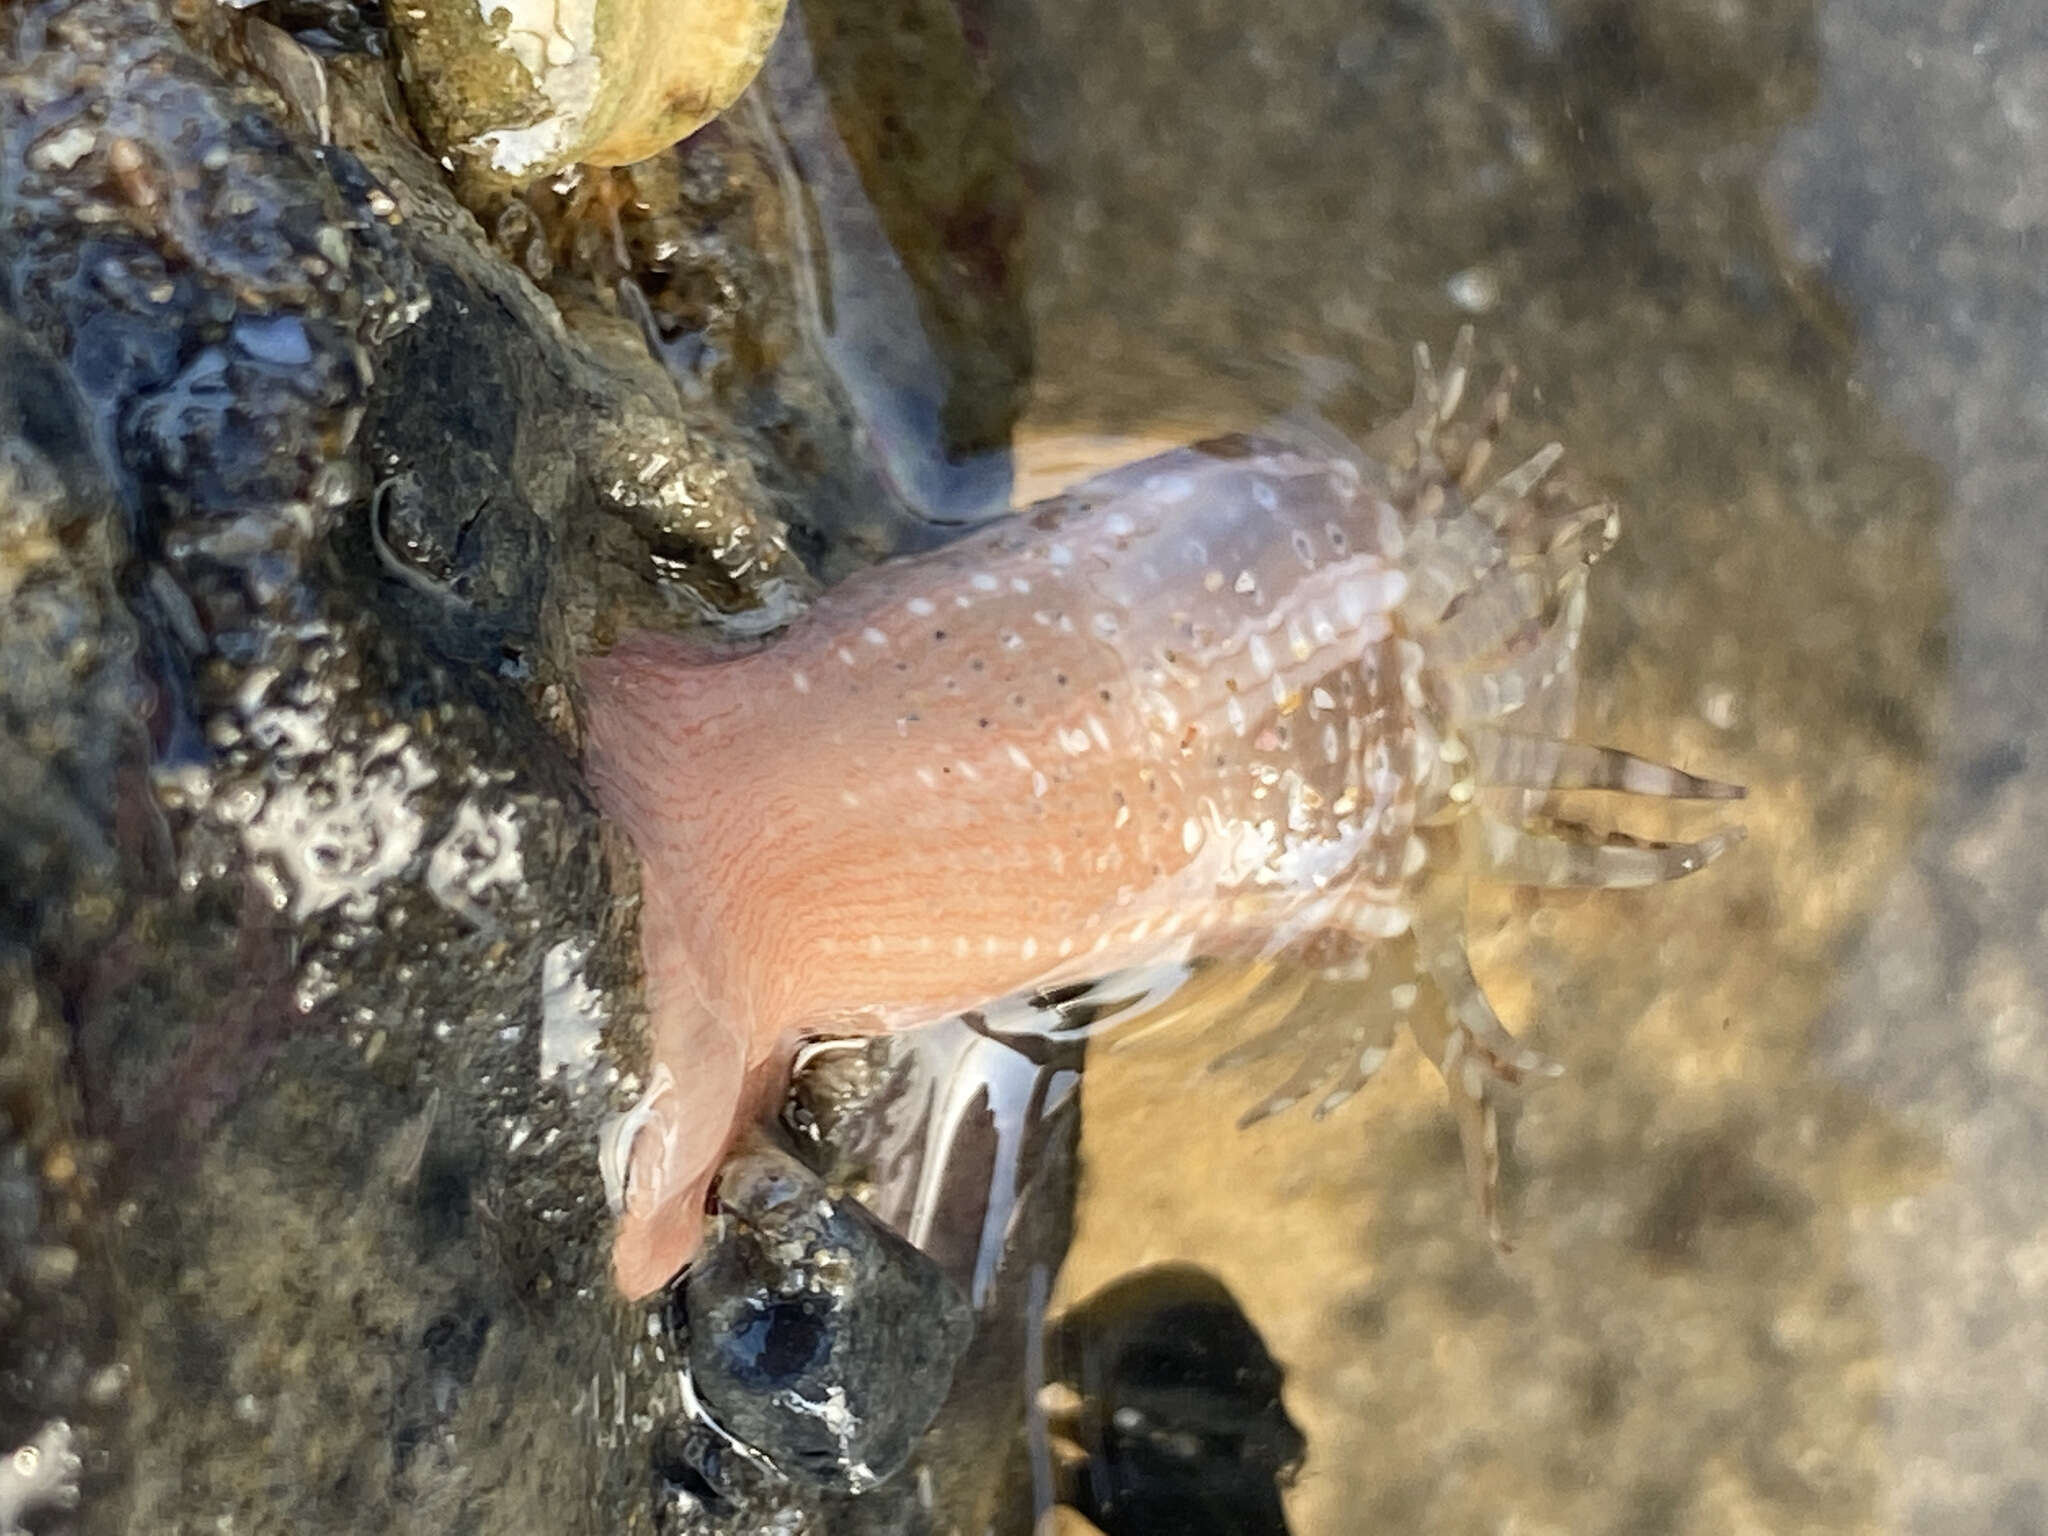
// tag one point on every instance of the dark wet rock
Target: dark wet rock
(817, 1336)
(318, 970)
(66, 647)
(452, 519)
(68, 749)
(60, 1375)
(303, 1225)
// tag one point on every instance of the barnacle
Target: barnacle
(510, 92)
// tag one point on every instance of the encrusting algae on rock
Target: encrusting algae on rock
(1253, 697)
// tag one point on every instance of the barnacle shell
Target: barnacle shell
(511, 90)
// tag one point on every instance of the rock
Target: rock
(817, 1336)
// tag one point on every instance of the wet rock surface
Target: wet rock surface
(320, 973)
(817, 1336)
(334, 1211)
(319, 970)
